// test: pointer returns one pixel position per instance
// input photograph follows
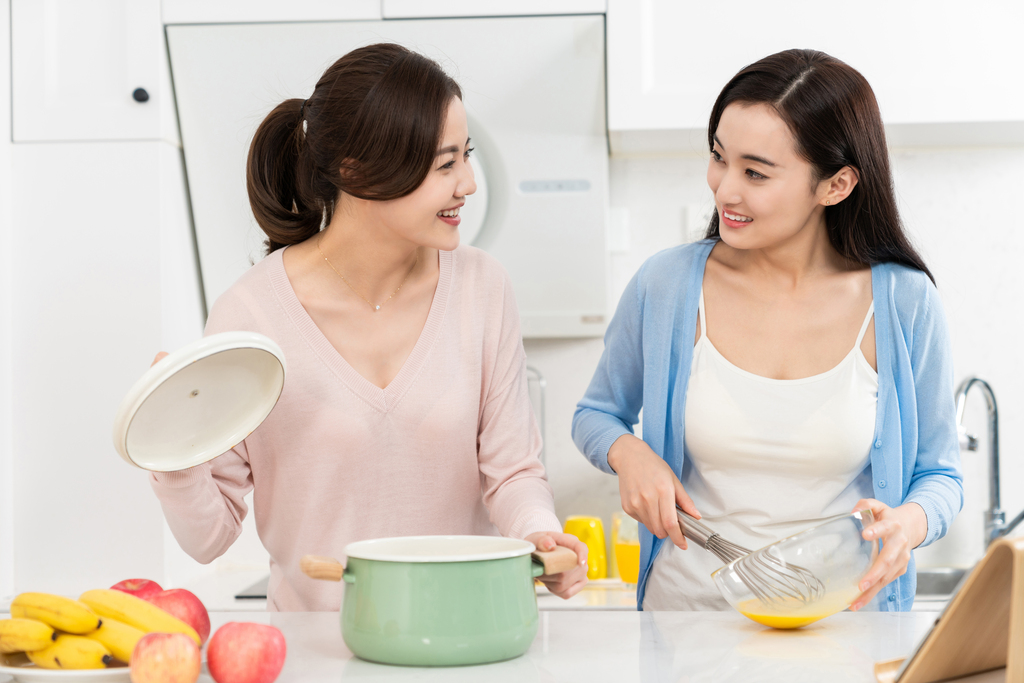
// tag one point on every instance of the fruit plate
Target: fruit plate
(18, 667)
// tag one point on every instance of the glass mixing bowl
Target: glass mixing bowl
(802, 578)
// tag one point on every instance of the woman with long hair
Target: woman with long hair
(793, 365)
(405, 410)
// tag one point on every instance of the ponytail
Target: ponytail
(378, 113)
(274, 195)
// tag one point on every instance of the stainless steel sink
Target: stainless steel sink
(938, 582)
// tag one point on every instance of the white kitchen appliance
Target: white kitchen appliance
(535, 96)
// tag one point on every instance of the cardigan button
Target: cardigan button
(881, 484)
(892, 597)
(878, 444)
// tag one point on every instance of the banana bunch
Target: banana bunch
(136, 612)
(102, 626)
(50, 630)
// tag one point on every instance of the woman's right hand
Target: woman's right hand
(160, 356)
(649, 488)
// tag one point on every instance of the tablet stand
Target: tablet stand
(982, 627)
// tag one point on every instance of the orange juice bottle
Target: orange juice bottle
(626, 542)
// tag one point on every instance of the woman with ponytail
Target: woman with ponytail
(793, 365)
(405, 410)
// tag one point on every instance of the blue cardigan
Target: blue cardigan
(646, 363)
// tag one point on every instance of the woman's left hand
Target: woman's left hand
(568, 583)
(900, 530)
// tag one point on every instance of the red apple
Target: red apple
(242, 652)
(185, 606)
(166, 658)
(140, 588)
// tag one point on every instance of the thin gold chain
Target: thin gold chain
(375, 307)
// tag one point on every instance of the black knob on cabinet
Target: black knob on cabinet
(140, 95)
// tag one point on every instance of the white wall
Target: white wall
(6, 463)
(956, 203)
(960, 208)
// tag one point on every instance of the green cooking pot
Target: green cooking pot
(439, 600)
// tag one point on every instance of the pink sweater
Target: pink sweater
(449, 447)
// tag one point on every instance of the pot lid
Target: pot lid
(199, 402)
(439, 548)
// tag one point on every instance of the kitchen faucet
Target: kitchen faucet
(995, 518)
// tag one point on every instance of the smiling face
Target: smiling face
(765, 192)
(429, 216)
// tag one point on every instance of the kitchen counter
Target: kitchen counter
(649, 647)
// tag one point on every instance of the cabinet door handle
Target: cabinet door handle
(140, 95)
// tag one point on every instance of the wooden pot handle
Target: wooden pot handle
(323, 568)
(556, 561)
(329, 569)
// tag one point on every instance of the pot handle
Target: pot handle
(556, 561)
(325, 569)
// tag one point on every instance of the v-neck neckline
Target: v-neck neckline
(381, 399)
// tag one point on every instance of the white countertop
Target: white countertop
(617, 646)
(650, 647)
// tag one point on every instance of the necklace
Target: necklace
(375, 307)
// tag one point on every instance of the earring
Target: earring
(827, 202)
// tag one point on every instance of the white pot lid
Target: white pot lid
(439, 548)
(200, 401)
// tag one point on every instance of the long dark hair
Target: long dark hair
(371, 129)
(832, 112)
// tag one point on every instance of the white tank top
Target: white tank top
(765, 458)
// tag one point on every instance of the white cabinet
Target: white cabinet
(6, 303)
(98, 274)
(102, 277)
(931, 65)
(424, 9)
(86, 278)
(86, 69)
(236, 11)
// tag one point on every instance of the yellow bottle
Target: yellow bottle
(591, 532)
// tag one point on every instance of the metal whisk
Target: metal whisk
(769, 578)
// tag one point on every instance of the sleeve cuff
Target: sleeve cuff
(932, 517)
(531, 523)
(183, 478)
(604, 445)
